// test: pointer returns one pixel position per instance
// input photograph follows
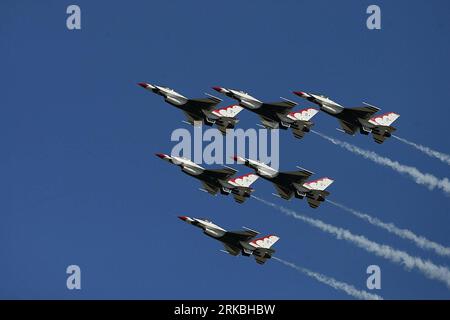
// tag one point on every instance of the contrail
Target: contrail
(430, 152)
(428, 268)
(335, 284)
(418, 240)
(425, 179)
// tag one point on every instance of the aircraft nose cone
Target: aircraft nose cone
(143, 85)
(182, 218)
(218, 89)
(160, 155)
(299, 93)
(235, 158)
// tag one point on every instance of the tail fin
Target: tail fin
(262, 250)
(384, 119)
(264, 242)
(229, 111)
(244, 181)
(319, 184)
(303, 114)
(302, 123)
(317, 193)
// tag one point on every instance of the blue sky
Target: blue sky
(81, 185)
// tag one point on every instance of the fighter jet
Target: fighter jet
(215, 180)
(353, 119)
(274, 115)
(236, 242)
(291, 183)
(199, 110)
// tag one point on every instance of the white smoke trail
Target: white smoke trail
(335, 284)
(425, 179)
(428, 268)
(430, 152)
(419, 241)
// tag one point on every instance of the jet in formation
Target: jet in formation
(216, 180)
(202, 110)
(354, 119)
(291, 183)
(237, 242)
(274, 115)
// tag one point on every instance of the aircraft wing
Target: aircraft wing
(279, 106)
(364, 112)
(211, 189)
(269, 123)
(283, 192)
(233, 250)
(224, 173)
(192, 117)
(272, 110)
(348, 127)
(241, 235)
(295, 176)
(289, 177)
(208, 103)
(262, 254)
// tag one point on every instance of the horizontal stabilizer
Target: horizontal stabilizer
(240, 198)
(313, 203)
(209, 188)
